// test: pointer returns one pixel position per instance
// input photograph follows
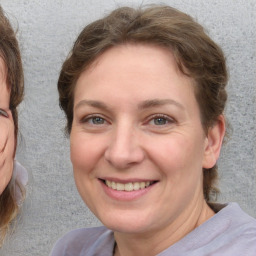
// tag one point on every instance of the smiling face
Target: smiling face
(137, 143)
(6, 130)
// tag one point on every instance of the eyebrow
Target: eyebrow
(143, 105)
(159, 102)
(92, 103)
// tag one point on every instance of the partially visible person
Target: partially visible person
(144, 93)
(13, 176)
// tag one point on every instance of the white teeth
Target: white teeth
(136, 186)
(130, 186)
(119, 186)
(113, 185)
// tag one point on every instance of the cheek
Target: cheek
(79, 153)
(4, 96)
(85, 152)
(170, 152)
(85, 156)
(177, 155)
(7, 145)
(180, 165)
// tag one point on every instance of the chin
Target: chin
(126, 222)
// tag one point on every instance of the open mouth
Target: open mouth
(129, 186)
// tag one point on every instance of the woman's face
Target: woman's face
(137, 143)
(6, 131)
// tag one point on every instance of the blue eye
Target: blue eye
(97, 120)
(93, 120)
(160, 121)
(3, 113)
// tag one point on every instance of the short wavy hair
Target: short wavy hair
(196, 54)
(10, 53)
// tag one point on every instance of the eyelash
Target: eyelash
(91, 117)
(167, 119)
(3, 113)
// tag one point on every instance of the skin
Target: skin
(7, 140)
(136, 118)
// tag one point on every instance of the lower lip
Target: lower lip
(125, 195)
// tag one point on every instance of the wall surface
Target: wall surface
(46, 31)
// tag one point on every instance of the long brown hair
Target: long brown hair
(10, 53)
(196, 54)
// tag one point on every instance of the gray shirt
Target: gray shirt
(230, 232)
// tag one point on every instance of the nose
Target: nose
(124, 149)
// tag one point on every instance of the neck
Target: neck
(153, 242)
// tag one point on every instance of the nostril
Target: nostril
(124, 158)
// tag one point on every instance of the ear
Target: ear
(214, 142)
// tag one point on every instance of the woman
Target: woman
(12, 174)
(144, 95)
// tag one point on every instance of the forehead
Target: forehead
(147, 58)
(147, 48)
(138, 72)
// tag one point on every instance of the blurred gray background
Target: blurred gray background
(46, 31)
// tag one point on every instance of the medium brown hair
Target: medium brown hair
(196, 54)
(10, 53)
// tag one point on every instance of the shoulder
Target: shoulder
(236, 216)
(239, 235)
(83, 242)
(230, 232)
